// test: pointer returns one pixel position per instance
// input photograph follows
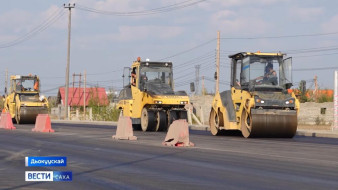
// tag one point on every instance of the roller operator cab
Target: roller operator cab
(24, 102)
(148, 96)
(258, 103)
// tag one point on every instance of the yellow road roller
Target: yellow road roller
(258, 103)
(24, 102)
(148, 96)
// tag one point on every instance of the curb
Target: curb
(199, 128)
(85, 122)
(322, 134)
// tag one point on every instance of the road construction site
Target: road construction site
(250, 126)
(152, 145)
(221, 162)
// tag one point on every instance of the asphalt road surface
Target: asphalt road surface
(216, 162)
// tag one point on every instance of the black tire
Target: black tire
(148, 122)
(246, 124)
(214, 123)
(183, 115)
(161, 124)
(172, 116)
(137, 127)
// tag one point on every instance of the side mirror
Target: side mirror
(288, 85)
(192, 87)
(215, 76)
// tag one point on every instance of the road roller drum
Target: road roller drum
(29, 114)
(270, 123)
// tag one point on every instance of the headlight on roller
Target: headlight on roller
(259, 101)
(291, 101)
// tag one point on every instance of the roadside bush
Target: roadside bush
(105, 113)
(319, 121)
(102, 112)
(324, 98)
(1, 103)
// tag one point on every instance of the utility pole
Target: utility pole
(73, 86)
(6, 82)
(84, 95)
(79, 89)
(74, 90)
(69, 7)
(315, 93)
(217, 63)
(335, 98)
(197, 80)
(203, 89)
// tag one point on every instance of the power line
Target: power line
(109, 72)
(52, 77)
(318, 55)
(318, 68)
(189, 50)
(253, 38)
(205, 66)
(41, 27)
(183, 84)
(282, 36)
(196, 59)
(50, 90)
(158, 10)
(312, 49)
(203, 61)
(103, 73)
(213, 80)
(245, 38)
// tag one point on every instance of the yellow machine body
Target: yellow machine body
(149, 98)
(24, 102)
(256, 108)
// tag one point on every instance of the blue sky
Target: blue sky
(104, 44)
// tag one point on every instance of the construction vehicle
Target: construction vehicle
(24, 102)
(148, 96)
(258, 103)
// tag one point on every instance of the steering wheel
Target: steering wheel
(157, 80)
(260, 82)
(254, 81)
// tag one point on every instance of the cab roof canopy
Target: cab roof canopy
(25, 77)
(241, 55)
(152, 63)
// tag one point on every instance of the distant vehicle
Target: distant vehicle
(258, 103)
(24, 102)
(149, 98)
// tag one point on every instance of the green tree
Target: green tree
(51, 103)
(1, 103)
(324, 98)
(102, 112)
